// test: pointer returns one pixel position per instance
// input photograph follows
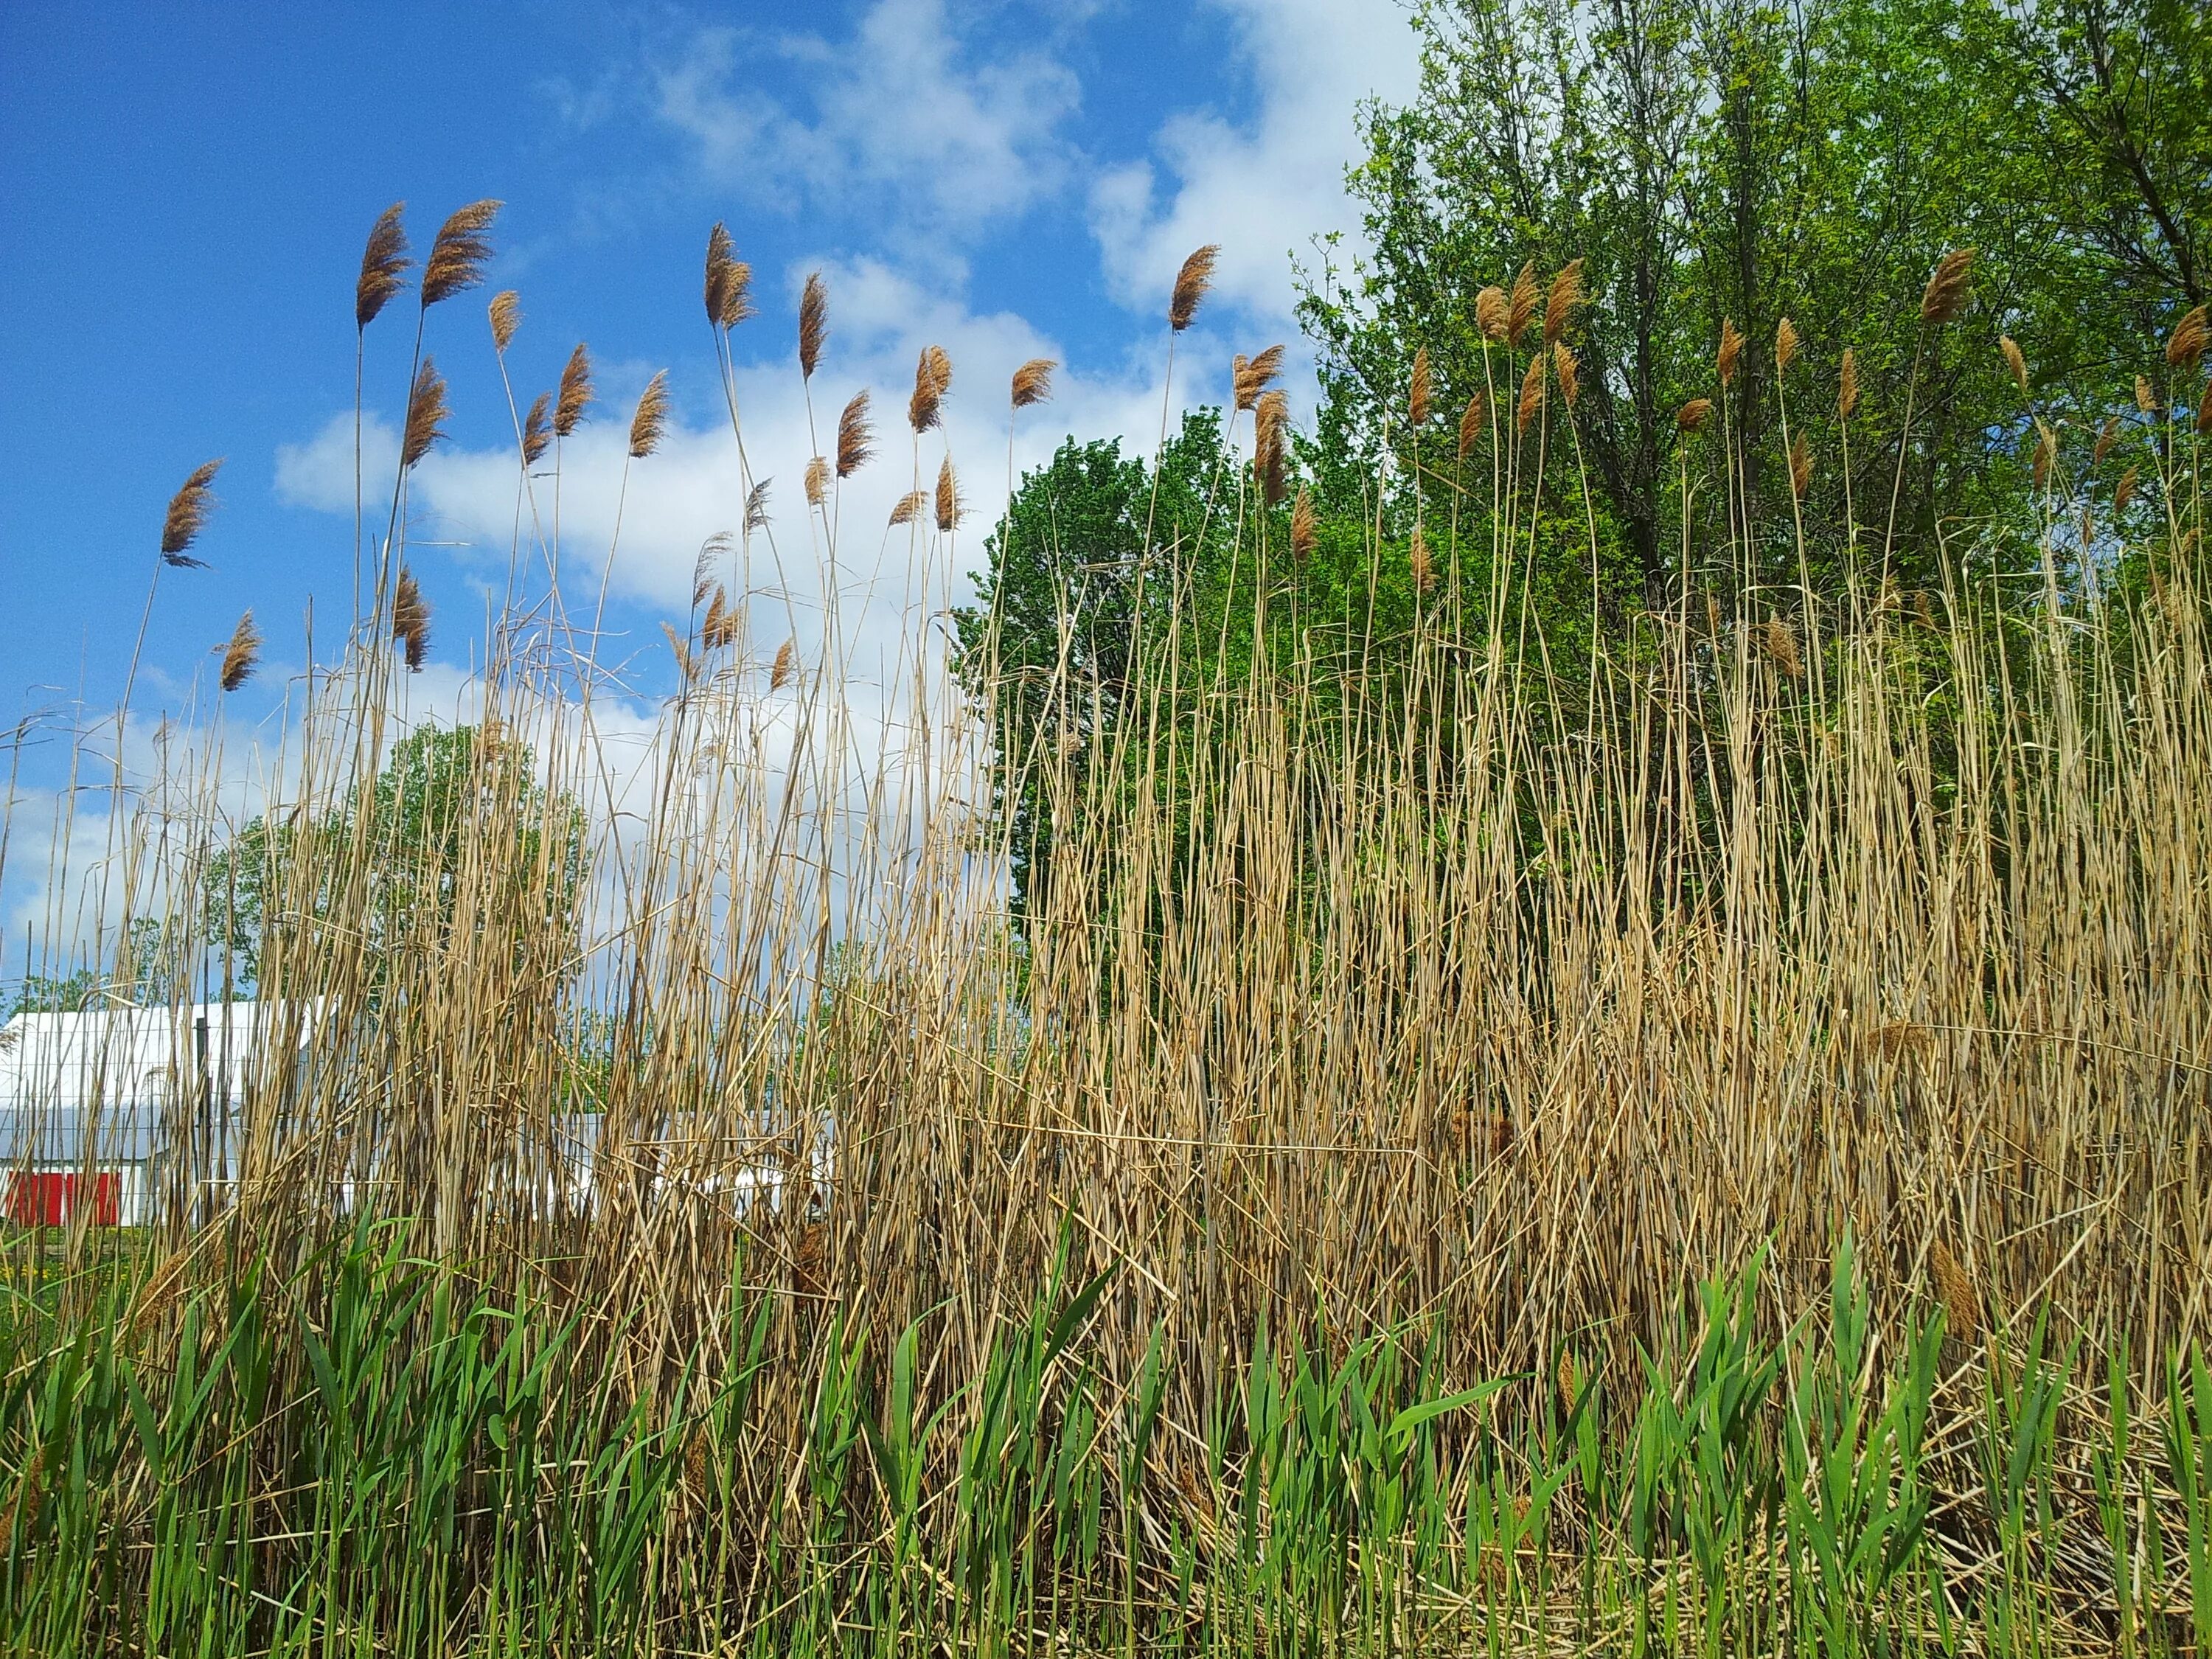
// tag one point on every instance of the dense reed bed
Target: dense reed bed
(1696, 1143)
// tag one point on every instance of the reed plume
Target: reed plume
(932, 378)
(785, 665)
(1032, 382)
(1939, 302)
(2186, 345)
(2015, 362)
(1781, 646)
(683, 653)
(1785, 344)
(1418, 561)
(410, 620)
(538, 430)
(188, 515)
(729, 281)
(1301, 526)
(2125, 491)
(240, 656)
(950, 512)
(817, 482)
(1559, 306)
(2144, 401)
(711, 552)
(1691, 416)
(651, 419)
(383, 265)
(1270, 457)
(426, 414)
(460, 254)
(1490, 313)
(2107, 435)
(855, 437)
(506, 313)
(813, 322)
(908, 508)
(756, 507)
(2204, 413)
(1521, 307)
(1731, 349)
(1847, 385)
(720, 627)
(1418, 389)
(1961, 1306)
(1470, 425)
(1800, 466)
(575, 392)
(1250, 376)
(1532, 394)
(2047, 455)
(1569, 370)
(1191, 283)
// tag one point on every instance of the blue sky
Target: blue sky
(188, 190)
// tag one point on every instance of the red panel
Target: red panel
(46, 1198)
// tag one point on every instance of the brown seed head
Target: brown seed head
(2015, 361)
(410, 620)
(1033, 381)
(2186, 344)
(813, 322)
(1190, 285)
(756, 507)
(1691, 415)
(786, 666)
(2144, 401)
(384, 264)
(1731, 349)
(1419, 388)
(1418, 563)
(1532, 394)
(1961, 1306)
(426, 414)
(1522, 306)
(2204, 413)
(1781, 646)
(1559, 306)
(1847, 385)
(537, 429)
(241, 655)
(817, 481)
(188, 514)
(506, 311)
(1490, 312)
(1270, 458)
(702, 569)
(1470, 425)
(855, 437)
(2046, 454)
(1785, 344)
(575, 392)
(722, 269)
(682, 653)
(2126, 491)
(2107, 435)
(1800, 466)
(1301, 526)
(932, 378)
(910, 507)
(1946, 292)
(717, 611)
(1569, 371)
(950, 511)
(1250, 376)
(460, 253)
(647, 425)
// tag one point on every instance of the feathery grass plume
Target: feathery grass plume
(2046, 454)
(1569, 369)
(683, 653)
(2186, 344)
(2144, 401)
(1785, 344)
(1847, 385)
(817, 482)
(855, 437)
(720, 258)
(908, 508)
(506, 313)
(1731, 349)
(1418, 388)
(1946, 292)
(1250, 376)
(575, 392)
(2015, 362)
(188, 515)
(756, 507)
(241, 655)
(715, 547)
(1301, 526)
(460, 254)
(1190, 285)
(2107, 435)
(426, 414)
(813, 322)
(1800, 466)
(1559, 306)
(1568, 1392)
(1923, 608)
(651, 419)
(1522, 306)
(410, 620)
(932, 378)
(2125, 491)
(721, 628)
(1271, 446)
(1691, 416)
(537, 429)
(1961, 1306)
(384, 264)
(1490, 313)
(2088, 525)
(1780, 644)
(1470, 425)
(2204, 413)
(950, 512)
(1532, 394)
(1417, 560)
(785, 665)
(1032, 381)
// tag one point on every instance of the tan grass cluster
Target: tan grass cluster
(241, 655)
(1032, 381)
(410, 621)
(1946, 293)
(932, 378)
(855, 436)
(188, 515)
(1566, 293)
(383, 265)
(1471, 420)
(1191, 283)
(538, 430)
(813, 323)
(426, 414)
(650, 423)
(575, 396)
(506, 313)
(1419, 389)
(950, 509)
(1521, 308)
(459, 253)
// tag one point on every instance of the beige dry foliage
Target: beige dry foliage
(1946, 293)
(1520, 307)
(2015, 362)
(459, 253)
(1471, 425)
(1032, 381)
(241, 655)
(506, 313)
(1847, 385)
(383, 265)
(426, 414)
(575, 396)
(1191, 283)
(650, 423)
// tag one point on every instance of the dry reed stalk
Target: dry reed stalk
(685, 669)
(188, 515)
(1470, 425)
(1418, 561)
(1800, 466)
(728, 282)
(538, 430)
(932, 378)
(241, 655)
(426, 414)
(2205, 411)
(817, 482)
(2045, 455)
(2184, 347)
(1521, 307)
(575, 395)
(1032, 382)
(410, 620)
(1780, 643)
(785, 666)
(2125, 491)
(2107, 435)
(720, 629)
(1731, 348)
(1191, 283)
(2015, 362)
(506, 313)
(1785, 345)
(1946, 292)
(855, 437)
(712, 552)
(1418, 389)
(1532, 394)
(1566, 293)
(1271, 446)
(1250, 376)
(1569, 370)
(1303, 532)
(459, 253)
(384, 264)
(1492, 314)
(1691, 416)
(1847, 385)
(813, 323)
(950, 511)
(2144, 401)
(1956, 1291)
(647, 425)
